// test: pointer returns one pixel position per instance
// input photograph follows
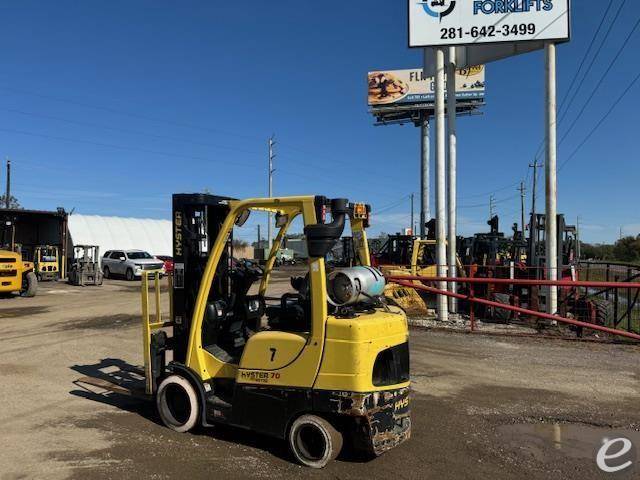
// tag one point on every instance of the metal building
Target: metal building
(30, 228)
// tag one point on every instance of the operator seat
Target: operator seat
(294, 312)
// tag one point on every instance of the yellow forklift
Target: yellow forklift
(46, 261)
(323, 365)
(16, 275)
(406, 255)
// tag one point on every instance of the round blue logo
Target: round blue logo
(438, 8)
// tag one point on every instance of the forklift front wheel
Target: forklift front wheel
(30, 285)
(177, 403)
(314, 441)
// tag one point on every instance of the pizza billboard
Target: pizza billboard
(403, 87)
(439, 23)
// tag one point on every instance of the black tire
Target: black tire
(129, 275)
(31, 285)
(500, 315)
(313, 441)
(106, 273)
(177, 403)
(603, 309)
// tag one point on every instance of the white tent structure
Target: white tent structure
(111, 233)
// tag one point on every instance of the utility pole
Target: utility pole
(578, 237)
(441, 197)
(551, 186)
(413, 232)
(7, 198)
(620, 231)
(535, 165)
(259, 239)
(522, 197)
(533, 225)
(492, 206)
(425, 213)
(271, 170)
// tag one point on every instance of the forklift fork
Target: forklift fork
(154, 339)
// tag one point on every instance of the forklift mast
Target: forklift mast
(396, 250)
(537, 236)
(197, 220)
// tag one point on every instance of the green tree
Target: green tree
(13, 201)
(596, 252)
(627, 249)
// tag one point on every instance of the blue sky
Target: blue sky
(109, 107)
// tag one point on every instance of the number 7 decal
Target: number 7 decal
(273, 353)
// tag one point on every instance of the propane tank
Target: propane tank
(348, 286)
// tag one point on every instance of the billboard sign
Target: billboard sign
(402, 87)
(438, 23)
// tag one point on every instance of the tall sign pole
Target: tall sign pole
(483, 32)
(425, 213)
(551, 187)
(441, 209)
(7, 198)
(452, 182)
(413, 231)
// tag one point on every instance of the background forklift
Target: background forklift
(404, 255)
(326, 364)
(16, 275)
(46, 262)
(85, 266)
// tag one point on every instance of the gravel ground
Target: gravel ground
(482, 406)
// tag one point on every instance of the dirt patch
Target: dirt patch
(22, 311)
(16, 369)
(106, 322)
(136, 286)
(140, 448)
(448, 442)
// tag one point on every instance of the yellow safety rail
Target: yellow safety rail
(149, 326)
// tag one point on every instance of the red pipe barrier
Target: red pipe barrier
(513, 308)
(517, 281)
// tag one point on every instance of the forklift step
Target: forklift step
(217, 402)
(218, 409)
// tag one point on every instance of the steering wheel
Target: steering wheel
(247, 269)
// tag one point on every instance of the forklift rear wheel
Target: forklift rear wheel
(314, 441)
(31, 286)
(177, 403)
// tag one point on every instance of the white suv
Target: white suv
(130, 263)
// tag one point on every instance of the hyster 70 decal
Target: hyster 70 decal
(258, 376)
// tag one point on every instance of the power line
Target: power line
(128, 114)
(507, 187)
(601, 121)
(392, 206)
(120, 147)
(601, 81)
(129, 131)
(493, 201)
(593, 60)
(540, 148)
(152, 135)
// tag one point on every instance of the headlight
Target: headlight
(254, 305)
